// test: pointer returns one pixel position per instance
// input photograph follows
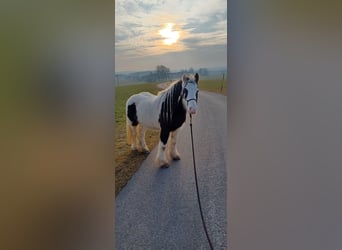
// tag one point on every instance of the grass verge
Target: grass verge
(126, 161)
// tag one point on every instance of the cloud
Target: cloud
(207, 25)
(192, 41)
(139, 21)
(128, 30)
(203, 57)
(131, 6)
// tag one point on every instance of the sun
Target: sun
(170, 36)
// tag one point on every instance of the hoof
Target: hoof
(146, 151)
(166, 165)
(176, 158)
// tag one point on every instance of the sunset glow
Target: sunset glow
(170, 36)
(180, 34)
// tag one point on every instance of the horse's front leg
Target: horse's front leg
(172, 147)
(134, 138)
(142, 140)
(162, 156)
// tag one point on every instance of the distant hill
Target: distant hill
(126, 77)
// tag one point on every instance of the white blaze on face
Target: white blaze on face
(192, 107)
(192, 104)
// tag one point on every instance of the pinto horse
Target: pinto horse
(165, 112)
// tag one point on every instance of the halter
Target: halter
(182, 94)
(192, 99)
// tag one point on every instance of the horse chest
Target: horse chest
(172, 117)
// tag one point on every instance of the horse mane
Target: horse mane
(161, 92)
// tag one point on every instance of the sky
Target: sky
(178, 34)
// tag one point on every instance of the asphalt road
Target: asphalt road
(158, 208)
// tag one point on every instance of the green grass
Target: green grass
(214, 85)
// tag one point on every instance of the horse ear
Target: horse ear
(196, 77)
(184, 78)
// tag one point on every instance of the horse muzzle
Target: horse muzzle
(192, 107)
(192, 110)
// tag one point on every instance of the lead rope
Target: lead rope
(198, 196)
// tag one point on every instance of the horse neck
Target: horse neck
(172, 94)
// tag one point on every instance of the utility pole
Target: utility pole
(222, 82)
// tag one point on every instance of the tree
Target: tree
(163, 72)
(183, 71)
(203, 71)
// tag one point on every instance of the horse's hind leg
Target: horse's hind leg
(142, 139)
(172, 147)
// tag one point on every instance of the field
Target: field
(214, 85)
(126, 161)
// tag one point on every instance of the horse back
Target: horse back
(143, 97)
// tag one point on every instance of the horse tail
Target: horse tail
(128, 131)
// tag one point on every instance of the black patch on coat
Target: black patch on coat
(132, 114)
(172, 114)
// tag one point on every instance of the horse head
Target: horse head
(190, 92)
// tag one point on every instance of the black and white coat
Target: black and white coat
(165, 112)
